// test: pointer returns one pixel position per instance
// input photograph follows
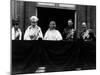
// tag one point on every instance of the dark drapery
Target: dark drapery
(65, 54)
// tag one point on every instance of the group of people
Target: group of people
(34, 32)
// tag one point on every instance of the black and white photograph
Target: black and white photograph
(51, 37)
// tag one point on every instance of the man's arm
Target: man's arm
(13, 34)
(59, 36)
(46, 35)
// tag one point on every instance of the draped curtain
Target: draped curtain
(70, 54)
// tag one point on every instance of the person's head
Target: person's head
(52, 25)
(33, 20)
(16, 27)
(15, 24)
(84, 25)
(70, 23)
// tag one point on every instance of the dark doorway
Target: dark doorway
(61, 16)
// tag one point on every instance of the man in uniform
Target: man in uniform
(69, 31)
(52, 33)
(33, 32)
(86, 34)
